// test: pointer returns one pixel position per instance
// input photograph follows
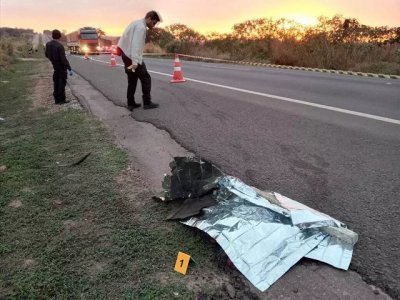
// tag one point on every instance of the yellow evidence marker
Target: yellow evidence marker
(182, 263)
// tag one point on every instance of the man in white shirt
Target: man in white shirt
(131, 44)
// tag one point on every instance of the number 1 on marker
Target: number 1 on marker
(182, 263)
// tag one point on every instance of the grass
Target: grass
(11, 47)
(70, 232)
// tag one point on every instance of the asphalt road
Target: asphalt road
(329, 141)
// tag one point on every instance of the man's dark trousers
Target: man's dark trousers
(59, 80)
(139, 73)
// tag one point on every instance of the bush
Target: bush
(398, 56)
(10, 48)
(6, 52)
(152, 48)
(173, 46)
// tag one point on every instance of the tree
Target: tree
(267, 29)
(183, 33)
(159, 36)
(100, 32)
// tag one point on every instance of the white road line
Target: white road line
(341, 110)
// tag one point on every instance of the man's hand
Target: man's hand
(132, 67)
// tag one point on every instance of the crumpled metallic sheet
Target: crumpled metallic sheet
(333, 251)
(191, 177)
(265, 238)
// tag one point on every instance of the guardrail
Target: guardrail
(342, 72)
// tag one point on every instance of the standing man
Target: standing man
(56, 54)
(131, 44)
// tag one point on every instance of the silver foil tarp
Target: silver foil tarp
(264, 233)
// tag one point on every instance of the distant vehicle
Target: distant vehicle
(114, 50)
(85, 40)
(110, 49)
(107, 49)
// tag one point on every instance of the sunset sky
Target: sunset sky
(204, 16)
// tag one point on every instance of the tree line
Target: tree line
(333, 43)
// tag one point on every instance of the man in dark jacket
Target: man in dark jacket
(56, 54)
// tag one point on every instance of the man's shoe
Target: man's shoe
(151, 105)
(63, 102)
(132, 107)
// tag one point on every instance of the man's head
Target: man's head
(56, 34)
(152, 18)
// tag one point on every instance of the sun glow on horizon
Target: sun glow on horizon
(304, 20)
(46, 14)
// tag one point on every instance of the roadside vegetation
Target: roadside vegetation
(337, 43)
(14, 43)
(91, 230)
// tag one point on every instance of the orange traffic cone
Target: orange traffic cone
(177, 76)
(86, 56)
(113, 63)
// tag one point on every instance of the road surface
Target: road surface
(329, 141)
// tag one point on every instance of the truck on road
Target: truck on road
(83, 41)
